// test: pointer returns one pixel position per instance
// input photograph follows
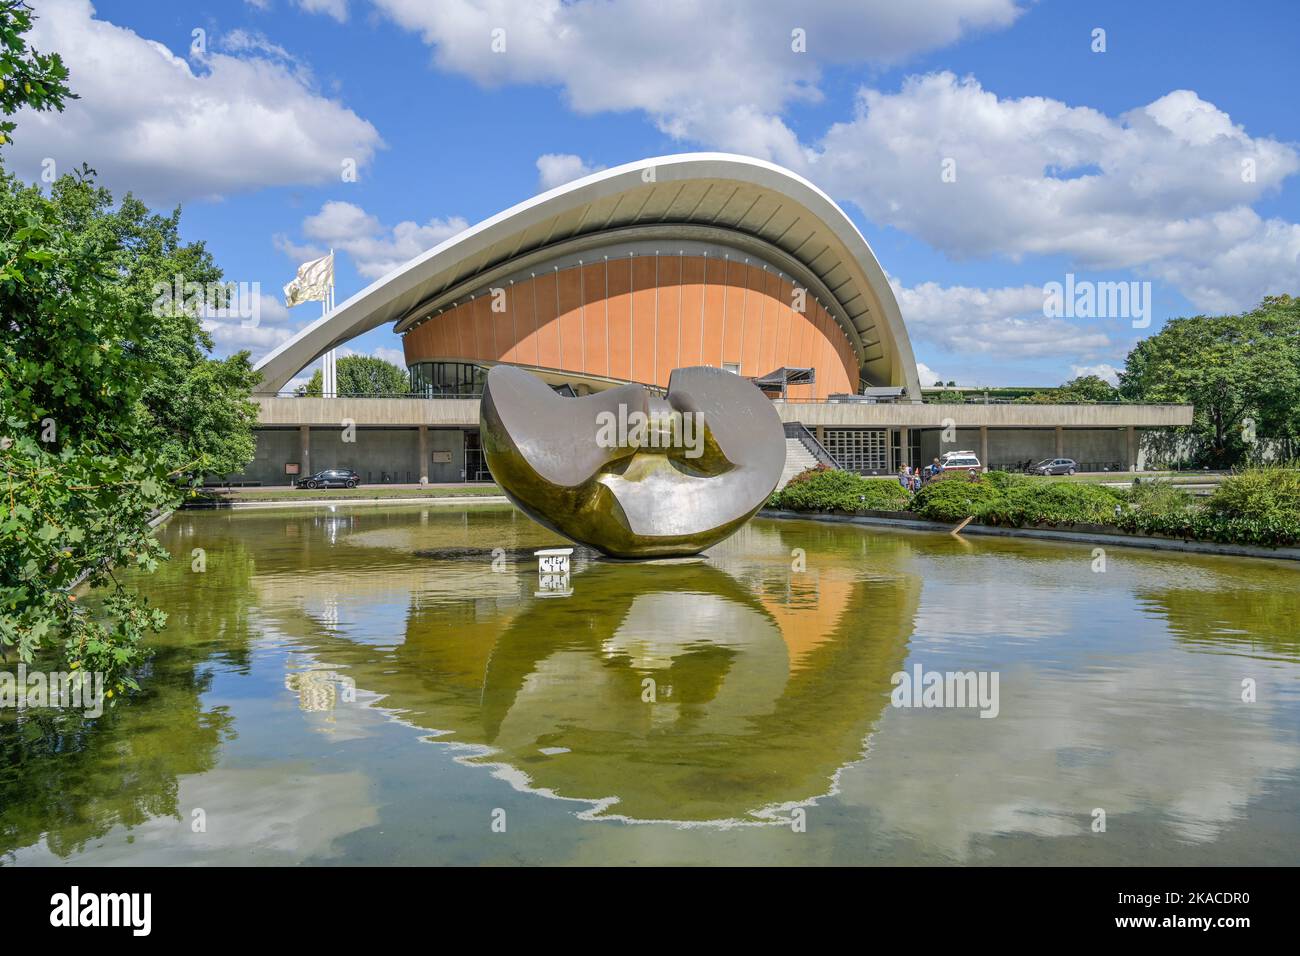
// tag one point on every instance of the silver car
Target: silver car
(1056, 466)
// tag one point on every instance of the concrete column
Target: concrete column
(905, 445)
(304, 451)
(424, 454)
(1060, 442)
(1132, 446)
(984, 446)
(820, 432)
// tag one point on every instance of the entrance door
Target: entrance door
(476, 468)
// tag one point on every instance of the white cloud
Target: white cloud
(1165, 189)
(722, 78)
(338, 9)
(1103, 370)
(375, 249)
(927, 375)
(1159, 189)
(272, 325)
(556, 169)
(171, 129)
(1003, 322)
(396, 356)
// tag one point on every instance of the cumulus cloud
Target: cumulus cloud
(1005, 322)
(1103, 370)
(240, 116)
(927, 375)
(338, 9)
(375, 249)
(1164, 189)
(556, 169)
(722, 78)
(271, 325)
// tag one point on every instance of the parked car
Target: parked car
(1056, 466)
(960, 461)
(331, 478)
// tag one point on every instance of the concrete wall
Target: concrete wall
(378, 455)
(1009, 446)
(446, 439)
(452, 411)
(275, 447)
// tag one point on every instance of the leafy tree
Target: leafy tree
(105, 402)
(80, 480)
(1241, 372)
(364, 375)
(198, 407)
(27, 78)
(1087, 388)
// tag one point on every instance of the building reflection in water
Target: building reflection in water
(720, 689)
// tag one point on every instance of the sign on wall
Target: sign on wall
(442, 457)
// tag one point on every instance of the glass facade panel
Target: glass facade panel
(864, 450)
(434, 379)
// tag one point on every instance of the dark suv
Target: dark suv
(331, 478)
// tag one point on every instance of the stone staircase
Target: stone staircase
(797, 458)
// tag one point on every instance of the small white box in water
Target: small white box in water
(553, 560)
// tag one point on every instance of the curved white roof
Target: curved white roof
(750, 203)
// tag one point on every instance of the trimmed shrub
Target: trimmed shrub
(833, 490)
(807, 474)
(1156, 498)
(1261, 494)
(1053, 502)
(1002, 480)
(954, 496)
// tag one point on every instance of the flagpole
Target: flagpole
(330, 371)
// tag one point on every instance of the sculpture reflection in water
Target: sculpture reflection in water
(714, 690)
(628, 473)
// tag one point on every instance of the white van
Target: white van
(960, 461)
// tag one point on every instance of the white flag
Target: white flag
(312, 284)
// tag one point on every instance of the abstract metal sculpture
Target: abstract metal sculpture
(628, 473)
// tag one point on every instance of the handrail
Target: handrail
(809, 440)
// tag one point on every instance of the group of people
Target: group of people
(914, 478)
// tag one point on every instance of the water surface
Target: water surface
(356, 685)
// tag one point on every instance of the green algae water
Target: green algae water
(355, 685)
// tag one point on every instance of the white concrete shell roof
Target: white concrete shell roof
(748, 203)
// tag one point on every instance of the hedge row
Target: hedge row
(1261, 506)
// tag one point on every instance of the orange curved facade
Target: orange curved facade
(636, 318)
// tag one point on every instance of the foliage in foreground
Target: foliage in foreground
(1260, 506)
(822, 489)
(953, 496)
(107, 403)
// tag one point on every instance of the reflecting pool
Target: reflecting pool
(356, 685)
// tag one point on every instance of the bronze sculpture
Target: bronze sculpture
(627, 472)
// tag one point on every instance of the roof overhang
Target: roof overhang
(750, 204)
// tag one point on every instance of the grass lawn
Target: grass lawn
(1126, 477)
(364, 493)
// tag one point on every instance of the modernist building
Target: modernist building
(693, 259)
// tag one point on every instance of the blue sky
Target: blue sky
(1128, 164)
